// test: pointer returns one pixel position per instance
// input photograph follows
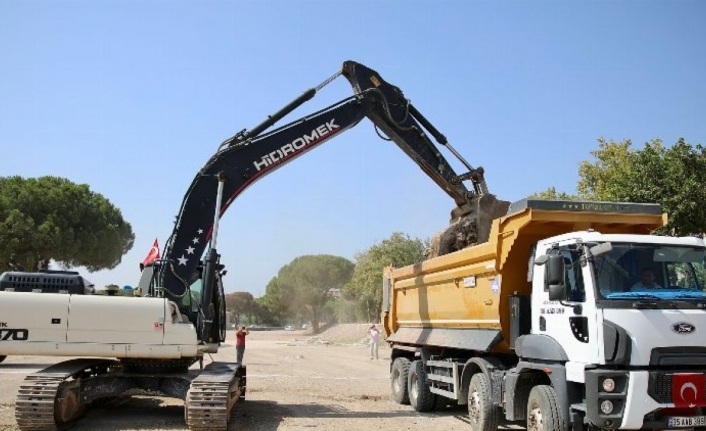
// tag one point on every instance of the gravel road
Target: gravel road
(295, 382)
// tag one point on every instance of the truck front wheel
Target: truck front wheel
(398, 380)
(543, 410)
(483, 415)
(420, 397)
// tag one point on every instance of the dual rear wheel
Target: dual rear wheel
(410, 385)
(543, 409)
(398, 380)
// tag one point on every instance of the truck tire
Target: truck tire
(420, 397)
(483, 415)
(440, 403)
(543, 410)
(2, 358)
(398, 380)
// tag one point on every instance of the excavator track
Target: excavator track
(47, 400)
(212, 395)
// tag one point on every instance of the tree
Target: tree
(551, 193)
(609, 176)
(240, 303)
(277, 300)
(674, 177)
(366, 284)
(261, 312)
(308, 280)
(51, 217)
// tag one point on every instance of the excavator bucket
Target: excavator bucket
(470, 224)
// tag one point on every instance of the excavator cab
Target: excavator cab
(189, 303)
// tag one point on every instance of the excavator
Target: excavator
(150, 344)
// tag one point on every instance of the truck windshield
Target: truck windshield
(651, 271)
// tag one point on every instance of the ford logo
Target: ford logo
(683, 328)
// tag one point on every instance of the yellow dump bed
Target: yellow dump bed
(428, 302)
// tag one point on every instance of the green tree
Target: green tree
(51, 217)
(262, 313)
(366, 284)
(308, 280)
(609, 176)
(239, 304)
(277, 300)
(674, 177)
(551, 193)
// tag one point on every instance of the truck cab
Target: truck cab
(625, 312)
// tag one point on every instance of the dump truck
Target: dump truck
(570, 316)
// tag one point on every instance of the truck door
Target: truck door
(571, 323)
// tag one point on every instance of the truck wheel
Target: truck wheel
(483, 415)
(398, 380)
(543, 412)
(440, 402)
(420, 397)
(2, 358)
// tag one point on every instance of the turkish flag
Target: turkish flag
(688, 390)
(153, 254)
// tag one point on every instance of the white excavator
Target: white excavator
(123, 346)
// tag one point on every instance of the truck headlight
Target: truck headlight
(606, 407)
(609, 385)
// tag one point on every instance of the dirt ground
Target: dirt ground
(295, 382)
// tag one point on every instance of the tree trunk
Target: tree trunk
(315, 320)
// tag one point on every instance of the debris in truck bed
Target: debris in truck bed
(470, 229)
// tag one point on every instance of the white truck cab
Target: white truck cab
(628, 315)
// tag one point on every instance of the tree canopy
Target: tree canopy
(674, 177)
(240, 304)
(305, 283)
(366, 284)
(553, 193)
(51, 217)
(278, 300)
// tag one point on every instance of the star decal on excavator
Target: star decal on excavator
(189, 250)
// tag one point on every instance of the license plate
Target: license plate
(693, 421)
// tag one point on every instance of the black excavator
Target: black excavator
(148, 344)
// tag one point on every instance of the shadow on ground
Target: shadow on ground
(133, 414)
(268, 415)
(154, 413)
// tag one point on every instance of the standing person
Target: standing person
(374, 338)
(240, 343)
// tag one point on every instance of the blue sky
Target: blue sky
(132, 97)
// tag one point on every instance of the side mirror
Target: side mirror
(601, 248)
(554, 278)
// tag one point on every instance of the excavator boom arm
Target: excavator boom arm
(242, 164)
(405, 125)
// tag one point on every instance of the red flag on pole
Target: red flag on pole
(153, 254)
